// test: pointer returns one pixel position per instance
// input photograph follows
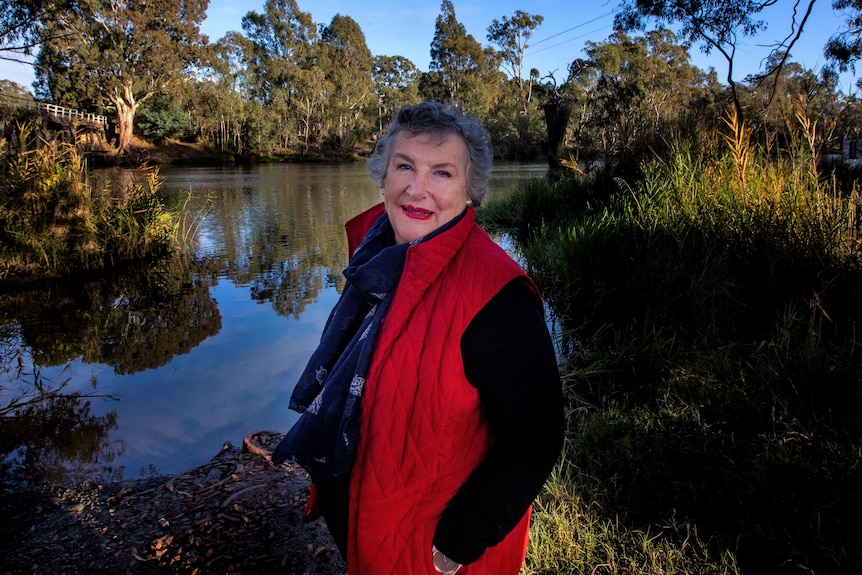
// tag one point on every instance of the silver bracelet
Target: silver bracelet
(443, 564)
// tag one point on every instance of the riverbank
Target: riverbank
(179, 153)
(236, 514)
(169, 152)
(710, 315)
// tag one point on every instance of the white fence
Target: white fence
(54, 110)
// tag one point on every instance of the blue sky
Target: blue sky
(407, 28)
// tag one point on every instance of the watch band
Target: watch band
(443, 564)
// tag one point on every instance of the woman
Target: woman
(432, 409)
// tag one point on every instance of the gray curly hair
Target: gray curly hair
(439, 119)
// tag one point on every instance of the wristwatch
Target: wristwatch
(443, 564)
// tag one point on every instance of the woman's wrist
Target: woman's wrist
(443, 564)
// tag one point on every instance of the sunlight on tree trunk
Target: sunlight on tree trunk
(125, 104)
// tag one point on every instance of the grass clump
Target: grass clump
(57, 219)
(572, 534)
(711, 362)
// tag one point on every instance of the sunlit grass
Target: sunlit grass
(56, 219)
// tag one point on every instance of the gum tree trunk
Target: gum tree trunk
(126, 105)
(557, 116)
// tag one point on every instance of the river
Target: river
(184, 355)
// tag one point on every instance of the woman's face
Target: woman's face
(425, 184)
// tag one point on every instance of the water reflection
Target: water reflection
(46, 433)
(203, 348)
(132, 321)
(279, 229)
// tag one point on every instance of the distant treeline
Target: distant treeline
(285, 84)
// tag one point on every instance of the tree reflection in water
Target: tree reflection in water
(46, 434)
(190, 371)
(130, 321)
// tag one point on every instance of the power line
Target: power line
(605, 15)
(532, 52)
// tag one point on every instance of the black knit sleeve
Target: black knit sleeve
(509, 357)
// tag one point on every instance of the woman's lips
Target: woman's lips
(416, 213)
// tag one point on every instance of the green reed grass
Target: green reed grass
(711, 364)
(56, 219)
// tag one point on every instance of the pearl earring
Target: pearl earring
(469, 202)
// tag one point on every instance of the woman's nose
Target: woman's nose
(419, 185)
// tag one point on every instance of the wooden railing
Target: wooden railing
(54, 110)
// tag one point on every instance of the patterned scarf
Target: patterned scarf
(329, 390)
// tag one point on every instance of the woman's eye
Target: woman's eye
(402, 167)
(444, 173)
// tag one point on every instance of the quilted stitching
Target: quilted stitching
(427, 434)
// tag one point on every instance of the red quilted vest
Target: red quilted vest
(422, 432)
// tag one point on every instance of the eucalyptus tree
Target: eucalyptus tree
(24, 24)
(515, 126)
(215, 99)
(460, 68)
(638, 89)
(512, 37)
(794, 100)
(348, 65)
(670, 81)
(396, 83)
(216, 111)
(718, 25)
(279, 53)
(849, 125)
(229, 95)
(15, 90)
(845, 47)
(581, 86)
(118, 53)
(620, 92)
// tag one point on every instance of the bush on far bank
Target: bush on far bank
(55, 219)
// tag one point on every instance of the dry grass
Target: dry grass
(56, 219)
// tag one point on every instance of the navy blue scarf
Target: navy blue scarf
(329, 390)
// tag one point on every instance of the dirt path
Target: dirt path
(237, 514)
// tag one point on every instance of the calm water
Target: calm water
(192, 353)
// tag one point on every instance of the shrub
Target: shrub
(55, 218)
(160, 118)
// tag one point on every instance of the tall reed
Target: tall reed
(55, 218)
(711, 360)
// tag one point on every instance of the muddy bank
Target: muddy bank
(236, 514)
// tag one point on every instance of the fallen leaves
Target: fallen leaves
(237, 513)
